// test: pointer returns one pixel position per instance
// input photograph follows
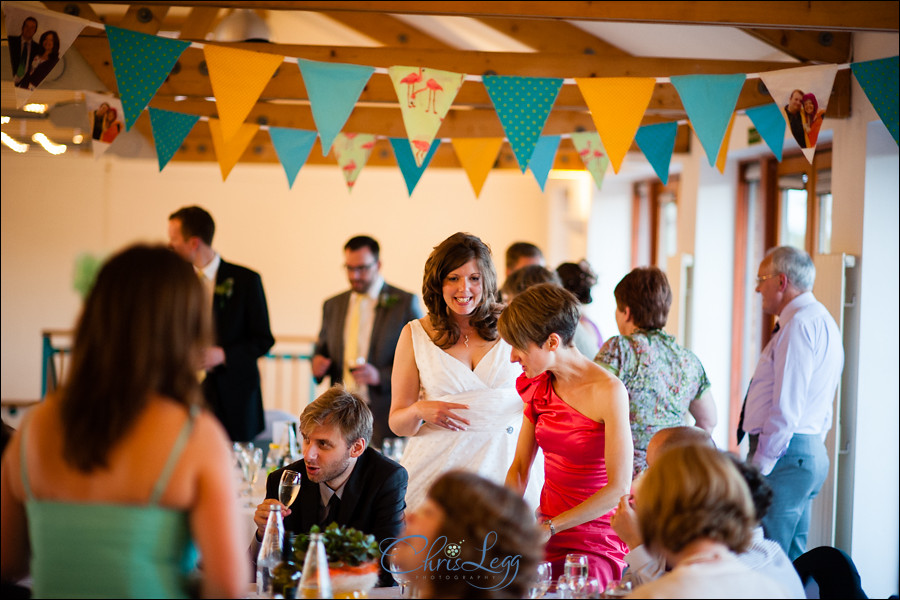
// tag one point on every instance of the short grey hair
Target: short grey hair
(795, 264)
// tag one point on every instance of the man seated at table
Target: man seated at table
(343, 480)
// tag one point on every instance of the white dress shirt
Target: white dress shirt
(793, 387)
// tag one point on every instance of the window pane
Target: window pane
(793, 218)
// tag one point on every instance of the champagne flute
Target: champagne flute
(289, 487)
(253, 462)
(543, 579)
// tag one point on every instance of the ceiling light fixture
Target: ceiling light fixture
(4, 119)
(13, 144)
(35, 108)
(46, 144)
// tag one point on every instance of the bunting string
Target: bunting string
(142, 62)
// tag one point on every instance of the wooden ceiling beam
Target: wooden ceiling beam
(387, 30)
(287, 84)
(553, 36)
(784, 14)
(144, 19)
(808, 46)
(198, 23)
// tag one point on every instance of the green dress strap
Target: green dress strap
(174, 455)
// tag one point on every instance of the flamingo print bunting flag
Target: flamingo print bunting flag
(425, 96)
(592, 153)
(352, 151)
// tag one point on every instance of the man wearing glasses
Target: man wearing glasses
(360, 329)
(788, 409)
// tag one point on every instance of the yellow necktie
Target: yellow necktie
(351, 350)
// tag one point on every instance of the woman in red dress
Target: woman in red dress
(577, 413)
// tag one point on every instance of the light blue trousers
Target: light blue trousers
(796, 479)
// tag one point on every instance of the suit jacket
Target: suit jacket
(395, 309)
(241, 320)
(373, 500)
(37, 74)
(15, 53)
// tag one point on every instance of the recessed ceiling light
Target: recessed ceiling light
(49, 146)
(35, 108)
(13, 144)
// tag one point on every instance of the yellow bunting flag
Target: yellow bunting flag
(228, 153)
(352, 151)
(723, 149)
(617, 105)
(477, 156)
(238, 77)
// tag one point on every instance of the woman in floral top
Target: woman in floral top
(664, 380)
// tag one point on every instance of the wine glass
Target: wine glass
(289, 487)
(617, 589)
(398, 572)
(542, 580)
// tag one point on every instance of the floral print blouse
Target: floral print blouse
(662, 379)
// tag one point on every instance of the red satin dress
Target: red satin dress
(574, 469)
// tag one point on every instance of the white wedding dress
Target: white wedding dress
(488, 445)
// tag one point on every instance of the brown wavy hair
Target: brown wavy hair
(449, 255)
(476, 509)
(142, 331)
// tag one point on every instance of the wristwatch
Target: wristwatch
(549, 524)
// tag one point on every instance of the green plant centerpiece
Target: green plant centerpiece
(352, 559)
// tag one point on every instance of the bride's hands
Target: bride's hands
(442, 415)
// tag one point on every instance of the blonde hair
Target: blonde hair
(691, 493)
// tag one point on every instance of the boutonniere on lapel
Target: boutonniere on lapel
(223, 291)
(386, 300)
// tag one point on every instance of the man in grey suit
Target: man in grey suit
(360, 330)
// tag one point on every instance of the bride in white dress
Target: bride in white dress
(453, 384)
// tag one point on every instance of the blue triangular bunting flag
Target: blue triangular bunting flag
(407, 162)
(709, 101)
(523, 105)
(770, 124)
(878, 79)
(292, 147)
(333, 90)
(169, 130)
(141, 64)
(542, 158)
(657, 142)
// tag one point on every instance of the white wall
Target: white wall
(714, 285)
(877, 461)
(54, 208)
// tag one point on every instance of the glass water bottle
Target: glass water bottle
(315, 582)
(270, 553)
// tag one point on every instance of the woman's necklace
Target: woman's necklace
(466, 341)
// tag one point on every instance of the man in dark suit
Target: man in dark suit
(241, 321)
(360, 330)
(344, 481)
(23, 48)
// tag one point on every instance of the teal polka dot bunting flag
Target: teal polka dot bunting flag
(141, 64)
(878, 79)
(169, 130)
(523, 105)
(407, 162)
(657, 142)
